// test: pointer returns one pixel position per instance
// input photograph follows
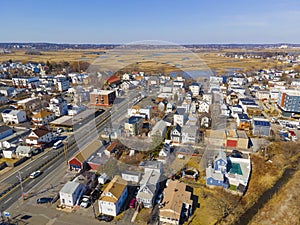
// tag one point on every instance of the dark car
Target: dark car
(132, 202)
(95, 195)
(105, 218)
(43, 200)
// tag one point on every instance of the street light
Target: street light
(21, 183)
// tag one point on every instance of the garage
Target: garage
(232, 143)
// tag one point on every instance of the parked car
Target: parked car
(35, 174)
(95, 195)
(132, 202)
(105, 218)
(85, 203)
(44, 200)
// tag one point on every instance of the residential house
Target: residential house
(24, 151)
(7, 91)
(13, 116)
(61, 83)
(207, 97)
(5, 131)
(205, 120)
(176, 134)
(177, 205)
(59, 106)
(190, 134)
(3, 99)
(80, 160)
(71, 193)
(243, 121)
(203, 106)
(164, 153)
(149, 186)
(9, 153)
(261, 127)
(159, 129)
(131, 176)
(111, 150)
(132, 125)
(170, 107)
(29, 104)
(26, 82)
(39, 137)
(139, 112)
(113, 197)
(43, 117)
(195, 89)
(180, 117)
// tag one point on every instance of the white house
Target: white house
(203, 106)
(149, 186)
(164, 153)
(24, 151)
(176, 134)
(39, 136)
(71, 193)
(208, 97)
(9, 153)
(13, 116)
(180, 117)
(43, 117)
(113, 197)
(131, 176)
(59, 106)
(195, 89)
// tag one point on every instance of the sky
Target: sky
(125, 21)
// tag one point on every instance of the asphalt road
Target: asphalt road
(55, 158)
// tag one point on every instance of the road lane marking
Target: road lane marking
(50, 166)
(29, 168)
(7, 200)
(30, 182)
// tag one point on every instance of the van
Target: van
(58, 144)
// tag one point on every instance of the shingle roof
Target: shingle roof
(41, 131)
(175, 196)
(42, 114)
(116, 187)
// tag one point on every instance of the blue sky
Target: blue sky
(124, 21)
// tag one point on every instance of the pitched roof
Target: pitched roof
(41, 131)
(175, 196)
(70, 187)
(88, 151)
(4, 128)
(112, 146)
(116, 187)
(113, 79)
(177, 127)
(42, 114)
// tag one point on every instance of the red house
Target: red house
(79, 161)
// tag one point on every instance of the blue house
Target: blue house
(215, 176)
(220, 162)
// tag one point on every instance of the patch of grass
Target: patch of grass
(232, 187)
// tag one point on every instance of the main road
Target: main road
(55, 158)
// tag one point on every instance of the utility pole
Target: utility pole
(66, 151)
(21, 184)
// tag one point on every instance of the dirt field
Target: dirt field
(149, 60)
(282, 208)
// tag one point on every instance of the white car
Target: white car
(85, 203)
(35, 174)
